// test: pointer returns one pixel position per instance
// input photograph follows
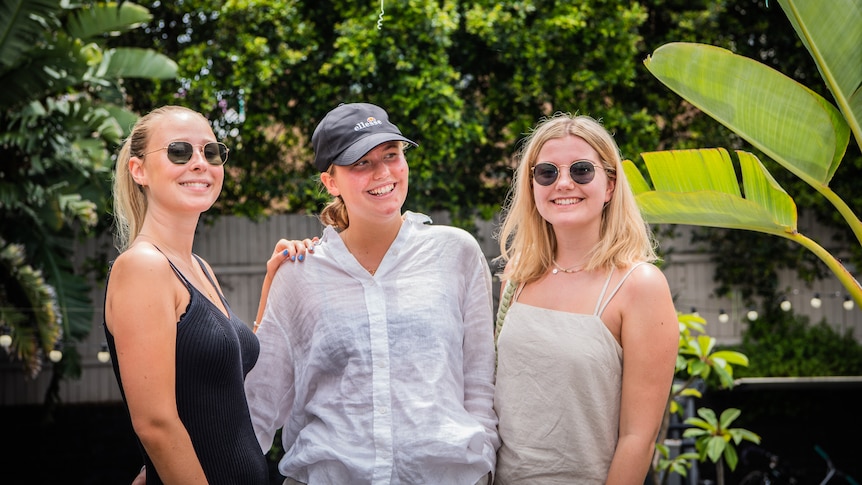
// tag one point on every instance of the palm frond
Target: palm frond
(106, 18)
(22, 24)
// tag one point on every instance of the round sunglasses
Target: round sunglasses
(180, 152)
(582, 172)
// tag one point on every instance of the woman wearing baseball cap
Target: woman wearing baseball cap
(377, 354)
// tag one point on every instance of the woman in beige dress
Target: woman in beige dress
(587, 350)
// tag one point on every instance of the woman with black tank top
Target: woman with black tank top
(179, 353)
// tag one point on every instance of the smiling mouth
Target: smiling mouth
(567, 201)
(195, 184)
(382, 190)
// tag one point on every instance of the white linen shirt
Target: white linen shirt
(383, 379)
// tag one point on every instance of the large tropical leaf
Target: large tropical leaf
(792, 124)
(699, 187)
(129, 62)
(19, 28)
(106, 18)
(693, 187)
(833, 36)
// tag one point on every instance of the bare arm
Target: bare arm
(144, 301)
(649, 337)
(285, 250)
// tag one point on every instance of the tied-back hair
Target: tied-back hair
(528, 241)
(130, 201)
(335, 212)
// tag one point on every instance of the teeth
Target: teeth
(382, 190)
(566, 201)
(195, 184)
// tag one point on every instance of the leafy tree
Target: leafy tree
(465, 79)
(63, 115)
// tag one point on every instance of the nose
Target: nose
(565, 176)
(381, 169)
(198, 160)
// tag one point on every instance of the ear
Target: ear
(609, 190)
(329, 182)
(136, 170)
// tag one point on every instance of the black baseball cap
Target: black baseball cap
(350, 131)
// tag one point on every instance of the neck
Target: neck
(369, 235)
(177, 242)
(368, 243)
(573, 253)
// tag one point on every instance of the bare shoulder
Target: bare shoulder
(647, 279)
(138, 281)
(140, 260)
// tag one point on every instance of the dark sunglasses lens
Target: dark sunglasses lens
(180, 152)
(545, 173)
(582, 172)
(215, 153)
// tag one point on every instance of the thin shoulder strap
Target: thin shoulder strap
(177, 272)
(505, 302)
(601, 310)
(602, 294)
(207, 273)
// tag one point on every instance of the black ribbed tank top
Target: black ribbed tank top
(214, 354)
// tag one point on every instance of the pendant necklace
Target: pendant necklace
(559, 268)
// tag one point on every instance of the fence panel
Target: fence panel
(238, 248)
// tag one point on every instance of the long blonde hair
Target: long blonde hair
(529, 241)
(130, 202)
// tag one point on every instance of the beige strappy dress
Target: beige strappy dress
(557, 394)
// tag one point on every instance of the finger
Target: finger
(310, 243)
(295, 250)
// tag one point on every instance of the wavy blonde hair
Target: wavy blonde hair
(130, 201)
(529, 242)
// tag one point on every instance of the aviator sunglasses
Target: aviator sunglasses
(582, 172)
(180, 152)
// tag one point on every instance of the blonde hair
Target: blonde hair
(130, 201)
(528, 240)
(335, 214)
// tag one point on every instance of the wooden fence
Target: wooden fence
(238, 249)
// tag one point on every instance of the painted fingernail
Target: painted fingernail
(293, 258)
(284, 252)
(301, 257)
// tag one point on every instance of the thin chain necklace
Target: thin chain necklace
(204, 283)
(559, 268)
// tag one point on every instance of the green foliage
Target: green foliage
(464, 79)
(34, 322)
(715, 439)
(698, 187)
(698, 359)
(744, 263)
(63, 116)
(678, 464)
(784, 344)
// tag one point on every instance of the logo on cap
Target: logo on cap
(370, 121)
